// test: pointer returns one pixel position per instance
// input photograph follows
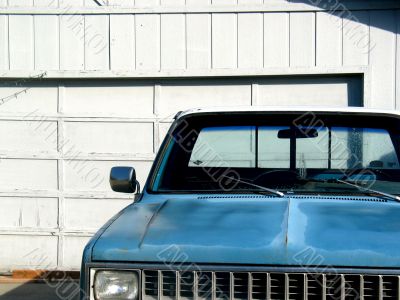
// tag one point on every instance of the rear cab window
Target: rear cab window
(281, 152)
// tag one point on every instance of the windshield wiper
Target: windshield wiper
(372, 191)
(261, 188)
(361, 188)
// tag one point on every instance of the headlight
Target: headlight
(116, 285)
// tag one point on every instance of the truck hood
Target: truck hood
(260, 230)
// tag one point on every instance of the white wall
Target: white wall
(274, 37)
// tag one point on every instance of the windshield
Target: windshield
(287, 154)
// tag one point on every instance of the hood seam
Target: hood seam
(155, 214)
(287, 223)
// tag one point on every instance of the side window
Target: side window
(230, 146)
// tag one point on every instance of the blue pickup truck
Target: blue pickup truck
(256, 204)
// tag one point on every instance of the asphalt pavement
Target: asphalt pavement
(39, 291)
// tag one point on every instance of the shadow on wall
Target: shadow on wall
(343, 8)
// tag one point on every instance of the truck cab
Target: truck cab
(254, 204)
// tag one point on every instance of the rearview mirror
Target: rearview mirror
(123, 179)
(299, 133)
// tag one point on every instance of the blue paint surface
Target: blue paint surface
(247, 229)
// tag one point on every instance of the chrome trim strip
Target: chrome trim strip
(249, 286)
(159, 285)
(268, 286)
(178, 285)
(213, 286)
(231, 286)
(342, 287)
(195, 285)
(361, 287)
(398, 287)
(286, 286)
(143, 287)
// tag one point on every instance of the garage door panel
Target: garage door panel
(22, 99)
(46, 42)
(72, 47)
(147, 41)
(4, 63)
(73, 248)
(27, 136)
(173, 41)
(91, 214)
(110, 137)
(97, 46)
(335, 91)
(115, 99)
(224, 41)
(198, 48)
(93, 176)
(28, 174)
(276, 40)
(272, 95)
(23, 212)
(185, 95)
(21, 42)
(302, 39)
(28, 251)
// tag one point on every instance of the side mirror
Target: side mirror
(123, 180)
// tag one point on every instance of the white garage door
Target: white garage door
(60, 138)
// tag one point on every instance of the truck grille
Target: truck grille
(185, 285)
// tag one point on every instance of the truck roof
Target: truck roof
(291, 109)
